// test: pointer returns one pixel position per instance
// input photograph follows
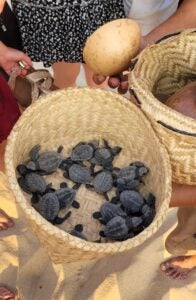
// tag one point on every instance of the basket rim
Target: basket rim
(161, 112)
(57, 232)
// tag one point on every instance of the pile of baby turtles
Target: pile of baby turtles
(124, 215)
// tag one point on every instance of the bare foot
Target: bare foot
(5, 221)
(6, 294)
(179, 267)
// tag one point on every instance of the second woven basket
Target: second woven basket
(163, 69)
(65, 118)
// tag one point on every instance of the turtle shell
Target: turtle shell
(148, 214)
(102, 157)
(48, 206)
(127, 173)
(66, 196)
(82, 152)
(132, 201)
(49, 161)
(35, 183)
(110, 210)
(103, 182)
(79, 174)
(116, 228)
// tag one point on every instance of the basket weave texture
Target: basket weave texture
(162, 69)
(67, 117)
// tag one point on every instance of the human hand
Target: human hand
(119, 81)
(10, 57)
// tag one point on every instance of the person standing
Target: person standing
(54, 32)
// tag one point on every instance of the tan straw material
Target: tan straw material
(67, 117)
(163, 69)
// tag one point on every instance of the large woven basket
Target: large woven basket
(162, 69)
(67, 117)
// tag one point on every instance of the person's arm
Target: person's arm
(183, 195)
(183, 18)
(10, 57)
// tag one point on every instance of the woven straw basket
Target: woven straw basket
(67, 117)
(162, 69)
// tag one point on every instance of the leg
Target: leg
(6, 294)
(5, 221)
(65, 74)
(182, 238)
(179, 267)
(89, 79)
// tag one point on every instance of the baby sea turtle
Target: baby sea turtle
(150, 200)
(127, 178)
(48, 206)
(107, 212)
(66, 197)
(118, 228)
(148, 214)
(105, 155)
(132, 201)
(78, 174)
(22, 169)
(123, 184)
(141, 169)
(35, 182)
(77, 231)
(82, 151)
(47, 162)
(102, 183)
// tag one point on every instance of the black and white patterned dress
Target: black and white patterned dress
(56, 30)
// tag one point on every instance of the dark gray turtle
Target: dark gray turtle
(35, 183)
(47, 162)
(22, 169)
(126, 178)
(82, 151)
(150, 200)
(103, 182)
(66, 164)
(23, 185)
(132, 201)
(79, 174)
(48, 206)
(105, 155)
(66, 197)
(148, 214)
(118, 228)
(77, 231)
(107, 212)
(127, 173)
(141, 169)
(123, 184)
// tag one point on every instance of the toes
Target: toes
(164, 266)
(5, 294)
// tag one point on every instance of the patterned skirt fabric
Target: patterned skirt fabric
(56, 30)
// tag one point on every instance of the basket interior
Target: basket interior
(70, 116)
(167, 67)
